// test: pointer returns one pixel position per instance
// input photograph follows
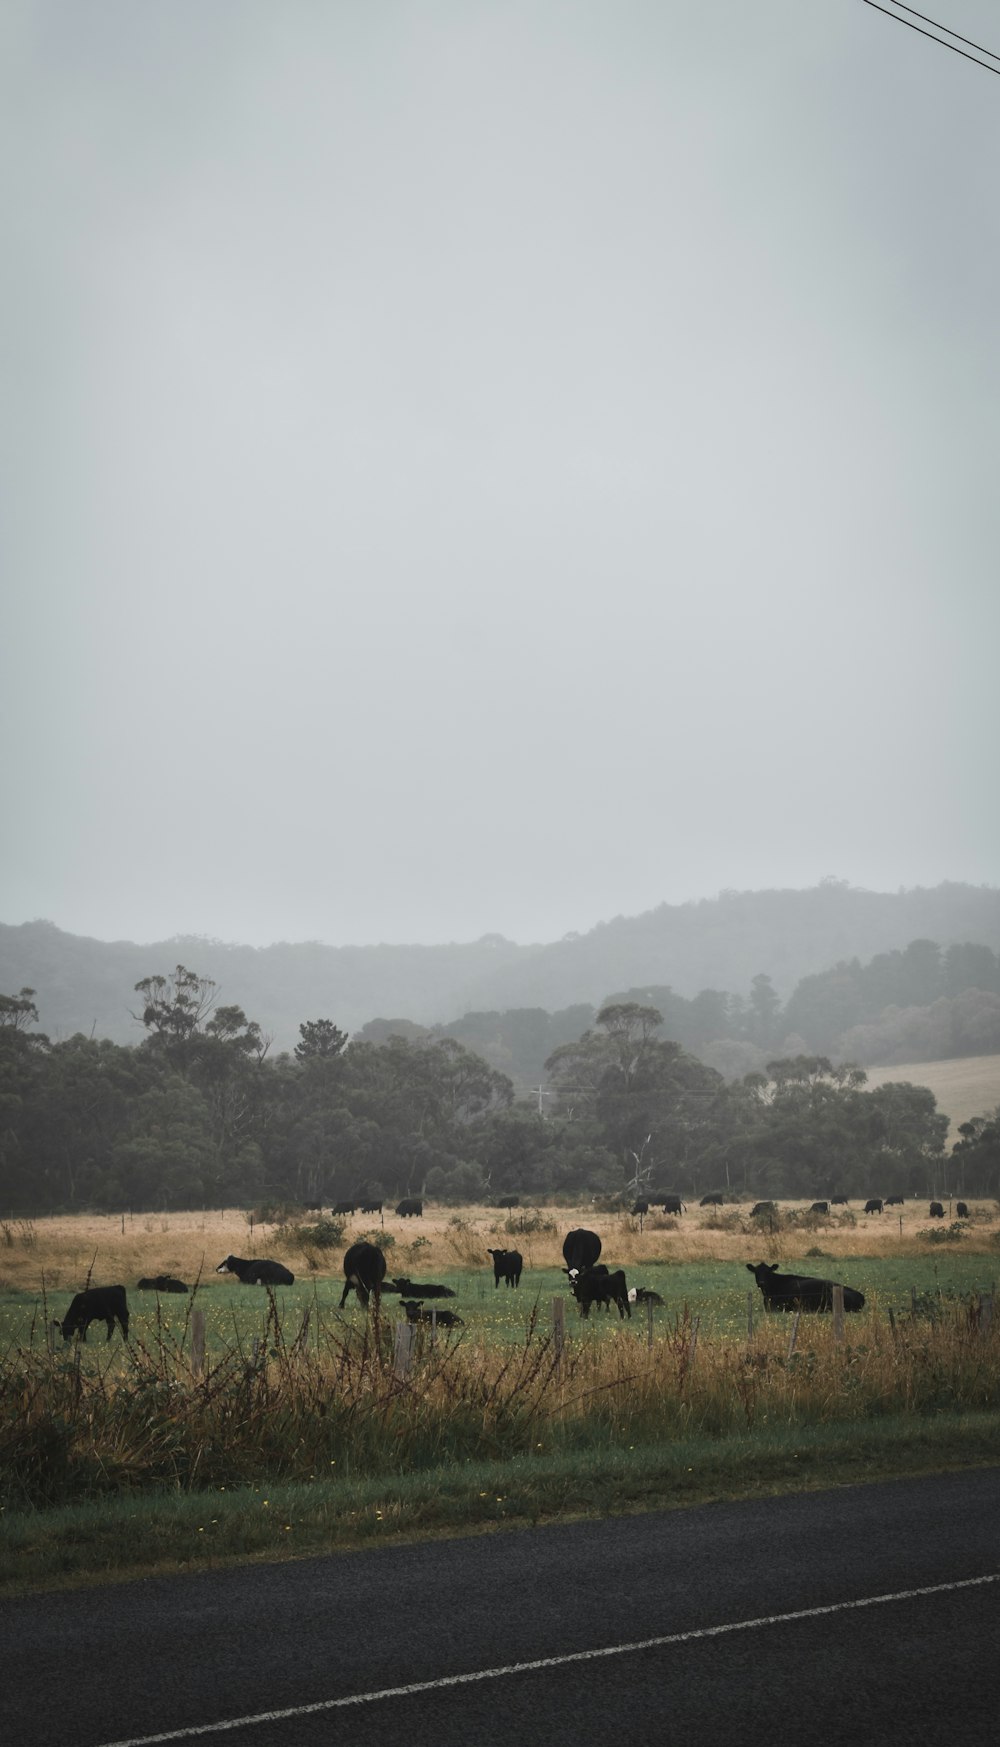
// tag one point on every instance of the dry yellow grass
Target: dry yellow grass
(62, 1249)
(963, 1089)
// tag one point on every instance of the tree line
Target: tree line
(199, 1113)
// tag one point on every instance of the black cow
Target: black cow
(936, 1210)
(673, 1204)
(760, 1208)
(820, 1207)
(507, 1265)
(415, 1312)
(639, 1208)
(894, 1200)
(509, 1201)
(581, 1249)
(597, 1286)
(402, 1283)
(799, 1291)
(643, 1295)
(371, 1206)
(874, 1205)
(838, 1200)
(162, 1283)
(712, 1201)
(340, 1207)
(106, 1304)
(961, 1211)
(410, 1208)
(364, 1269)
(257, 1273)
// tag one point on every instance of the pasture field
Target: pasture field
(117, 1459)
(965, 1087)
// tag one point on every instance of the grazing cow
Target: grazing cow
(760, 1208)
(961, 1211)
(364, 1269)
(410, 1208)
(820, 1207)
(257, 1273)
(340, 1207)
(643, 1295)
(597, 1286)
(799, 1291)
(936, 1210)
(673, 1204)
(838, 1200)
(507, 1265)
(162, 1283)
(639, 1208)
(712, 1201)
(509, 1201)
(415, 1312)
(874, 1205)
(371, 1206)
(894, 1200)
(106, 1304)
(402, 1283)
(581, 1249)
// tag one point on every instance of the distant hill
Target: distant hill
(720, 943)
(963, 1089)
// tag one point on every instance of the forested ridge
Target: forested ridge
(201, 1112)
(717, 945)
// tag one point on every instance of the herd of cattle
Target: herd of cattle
(590, 1280)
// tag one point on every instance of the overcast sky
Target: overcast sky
(492, 467)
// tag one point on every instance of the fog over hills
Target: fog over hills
(720, 943)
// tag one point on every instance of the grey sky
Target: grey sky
(492, 467)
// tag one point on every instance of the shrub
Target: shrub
(944, 1234)
(383, 1240)
(326, 1234)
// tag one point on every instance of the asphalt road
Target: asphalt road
(328, 1642)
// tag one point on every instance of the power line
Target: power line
(946, 28)
(940, 39)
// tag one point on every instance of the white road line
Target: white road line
(446, 1680)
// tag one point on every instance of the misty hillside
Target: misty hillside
(720, 943)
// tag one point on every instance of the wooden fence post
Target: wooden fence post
(404, 1349)
(558, 1328)
(749, 1316)
(793, 1337)
(197, 1342)
(693, 1345)
(838, 1312)
(434, 1325)
(649, 1323)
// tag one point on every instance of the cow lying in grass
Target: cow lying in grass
(643, 1295)
(419, 1288)
(799, 1291)
(415, 1312)
(106, 1304)
(162, 1283)
(251, 1273)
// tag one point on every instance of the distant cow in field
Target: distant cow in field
(596, 1286)
(894, 1200)
(364, 1271)
(106, 1304)
(415, 1312)
(799, 1291)
(371, 1206)
(820, 1207)
(262, 1273)
(874, 1205)
(640, 1208)
(410, 1208)
(402, 1283)
(509, 1201)
(162, 1283)
(712, 1201)
(343, 1207)
(507, 1265)
(760, 1208)
(838, 1200)
(673, 1204)
(581, 1249)
(936, 1210)
(961, 1211)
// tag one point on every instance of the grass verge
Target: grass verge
(129, 1537)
